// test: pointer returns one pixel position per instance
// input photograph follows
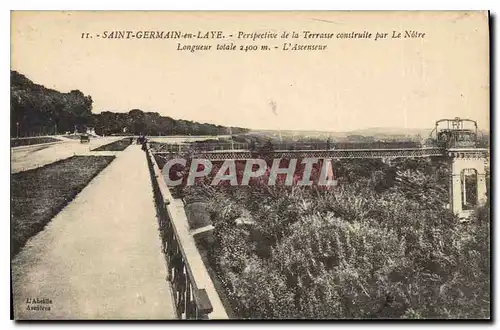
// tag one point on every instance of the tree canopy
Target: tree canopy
(37, 110)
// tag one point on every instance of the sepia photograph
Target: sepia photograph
(250, 165)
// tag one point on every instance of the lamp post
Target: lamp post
(231, 137)
(17, 129)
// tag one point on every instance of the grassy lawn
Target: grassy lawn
(38, 195)
(75, 137)
(30, 141)
(119, 145)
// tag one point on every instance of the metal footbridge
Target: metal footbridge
(453, 140)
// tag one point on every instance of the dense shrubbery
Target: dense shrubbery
(380, 245)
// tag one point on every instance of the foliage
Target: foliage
(119, 145)
(38, 110)
(381, 245)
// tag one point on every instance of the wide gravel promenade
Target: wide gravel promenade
(100, 257)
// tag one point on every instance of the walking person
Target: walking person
(144, 143)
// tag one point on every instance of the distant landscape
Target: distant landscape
(359, 135)
(380, 132)
(40, 111)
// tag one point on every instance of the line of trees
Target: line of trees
(152, 123)
(37, 110)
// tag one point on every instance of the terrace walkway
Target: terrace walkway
(100, 257)
(32, 156)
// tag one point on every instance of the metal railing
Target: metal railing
(203, 147)
(333, 154)
(288, 146)
(190, 301)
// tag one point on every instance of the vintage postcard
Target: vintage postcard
(250, 165)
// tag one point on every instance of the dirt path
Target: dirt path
(100, 257)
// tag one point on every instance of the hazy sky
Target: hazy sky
(352, 84)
